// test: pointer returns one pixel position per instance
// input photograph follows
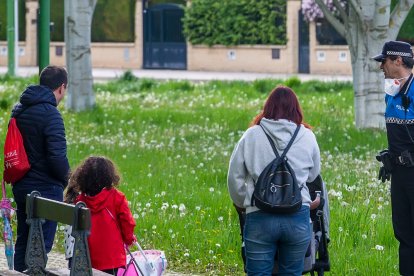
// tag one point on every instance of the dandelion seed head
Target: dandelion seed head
(181, 208)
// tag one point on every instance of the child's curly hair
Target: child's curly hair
(71, 192)
(94, 174)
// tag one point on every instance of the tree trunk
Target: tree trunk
(367, 80)
(366, 25)
(78, 19)
(368, 94)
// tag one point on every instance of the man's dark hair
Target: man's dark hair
(53, 77)
(407, 61)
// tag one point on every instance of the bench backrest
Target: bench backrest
(38, 209)
(59, 211)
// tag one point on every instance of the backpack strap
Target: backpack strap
(288, 145)
(23, 109)
(271, 143)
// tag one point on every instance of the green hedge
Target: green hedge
(236, 22)
(57, 10)
(407, 29)
(113, 21)
(3, 20)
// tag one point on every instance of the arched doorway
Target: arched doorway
(164, 43)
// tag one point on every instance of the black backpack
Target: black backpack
(276, 190)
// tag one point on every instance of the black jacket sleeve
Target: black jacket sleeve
(55, 139)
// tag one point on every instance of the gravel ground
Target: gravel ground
(57, 260)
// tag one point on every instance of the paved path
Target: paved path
(103, 74)
(57, 260)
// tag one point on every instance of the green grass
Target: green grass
(172, 142)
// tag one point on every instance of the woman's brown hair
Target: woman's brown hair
(282, 103)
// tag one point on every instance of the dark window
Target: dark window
(327, 35)
(59, 51)
(275, 53)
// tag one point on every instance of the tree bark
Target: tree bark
(369, 24)
(78, 21)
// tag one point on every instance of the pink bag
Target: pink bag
(144, 263)
(130, 270)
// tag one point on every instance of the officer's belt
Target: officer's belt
(404, 160)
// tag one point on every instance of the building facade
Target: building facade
(158, 47)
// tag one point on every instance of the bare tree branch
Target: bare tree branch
(340, 27)
(357, 8)
(341, 10)
(398, 16)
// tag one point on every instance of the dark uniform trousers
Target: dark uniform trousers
(402, 198)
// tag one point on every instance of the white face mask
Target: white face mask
(392, 86)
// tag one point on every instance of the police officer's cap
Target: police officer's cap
(394, 48)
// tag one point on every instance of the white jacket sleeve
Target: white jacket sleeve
(237, 174)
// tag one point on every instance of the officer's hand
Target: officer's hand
(384, 174)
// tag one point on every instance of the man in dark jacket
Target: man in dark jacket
(43, 131)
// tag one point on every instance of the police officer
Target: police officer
(397, 63)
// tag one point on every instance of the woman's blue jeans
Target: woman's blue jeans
(266, 233)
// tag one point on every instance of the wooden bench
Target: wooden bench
(38, 209)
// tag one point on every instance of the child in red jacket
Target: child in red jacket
(112, 224)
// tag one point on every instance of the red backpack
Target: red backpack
(16, 163)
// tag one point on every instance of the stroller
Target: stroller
(317, 256)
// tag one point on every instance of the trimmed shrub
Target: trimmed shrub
(113, 21)
(236, 22)
(22, 20)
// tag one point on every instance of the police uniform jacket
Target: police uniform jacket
(399, 118)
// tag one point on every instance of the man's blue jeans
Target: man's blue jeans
(49, 227)
(266, 233)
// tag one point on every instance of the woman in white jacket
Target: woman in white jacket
(267, 233)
